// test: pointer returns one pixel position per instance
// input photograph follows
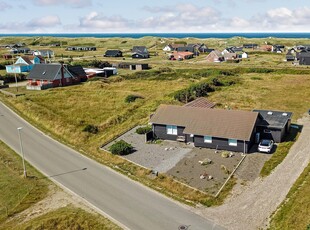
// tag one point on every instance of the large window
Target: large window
(232, 142)
(172, 129)
(207, 139)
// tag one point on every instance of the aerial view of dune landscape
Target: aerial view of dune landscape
(174, 115)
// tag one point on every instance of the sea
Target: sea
(166, 35)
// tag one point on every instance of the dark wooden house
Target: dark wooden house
(77, 72)
(140, 52)
(274, 125)
(250, 46)
(210, 128)
(113, 53)
(304, 58)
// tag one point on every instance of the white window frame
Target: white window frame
(232, 142)
(172, 130)
(207, 139)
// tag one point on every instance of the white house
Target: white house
(244, 55)
(168, 48)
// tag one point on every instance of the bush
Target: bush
(226, 171)
(91, 129)
(192, 92)
(121, 148)
(225, 154)
(131, 98)
(143, 130)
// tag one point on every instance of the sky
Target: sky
(153, 16)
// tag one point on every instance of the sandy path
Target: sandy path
(253, 207)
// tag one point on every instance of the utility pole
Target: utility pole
(14, 69)
(21, 150)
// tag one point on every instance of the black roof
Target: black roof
(140, 50)
(274, 119)
(304, 54)
(250, 45)
(44, 71)
(113, 52)
(77, 71)
(186, 49)
(279, 46)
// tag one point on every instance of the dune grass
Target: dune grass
(65, 112)
(65, 218)
(19, 193)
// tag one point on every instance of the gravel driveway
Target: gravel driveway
(253, 207)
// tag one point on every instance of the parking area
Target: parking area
(202, 168)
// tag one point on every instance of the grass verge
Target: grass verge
(294, 212)
(19, 193)
(66, 218)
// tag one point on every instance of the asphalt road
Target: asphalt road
(128, 203)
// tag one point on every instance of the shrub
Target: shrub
(195, 90)
(121, 148)
(91, 129)
(226, 171)
(131, 98)
(225, 154)
(143, 130)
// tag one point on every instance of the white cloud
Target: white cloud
(185, 17)
(158, 9)
(35, 25)
(237, 22)
(4, 6)
(279, 13)
(47, 21)
(72, 3)
(284, 19)
(100, 23)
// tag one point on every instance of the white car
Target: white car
(265, 146)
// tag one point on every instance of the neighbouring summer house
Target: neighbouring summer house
(140, 52)
(210, 128)
(24, 64)
(113, 53)
(44, 76)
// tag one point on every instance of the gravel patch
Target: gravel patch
(189, 170)
(251, 166)
(260, 198)
(160, 157)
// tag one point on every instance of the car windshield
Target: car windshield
(265, 143)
